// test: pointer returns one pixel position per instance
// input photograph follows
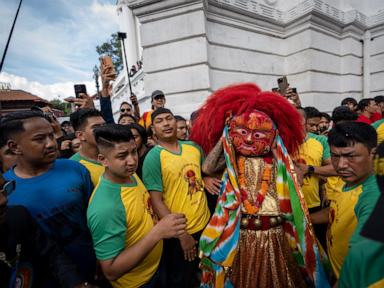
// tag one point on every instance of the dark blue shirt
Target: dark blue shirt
(58, 201)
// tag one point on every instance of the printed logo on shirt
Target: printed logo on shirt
(194, 184)
(147, 203)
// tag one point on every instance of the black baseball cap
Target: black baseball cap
(157, 93)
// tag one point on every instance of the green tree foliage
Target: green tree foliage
(113, 49)
(60, 105)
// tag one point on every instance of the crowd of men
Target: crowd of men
(94, 203)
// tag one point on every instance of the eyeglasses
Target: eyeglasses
(122, 110)
(8, 188)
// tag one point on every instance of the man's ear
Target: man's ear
(80, 135)
(14, 147)
(101, 158)
(153, 129)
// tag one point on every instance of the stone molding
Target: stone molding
(284, 18)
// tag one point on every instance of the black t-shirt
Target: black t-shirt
(30, 257)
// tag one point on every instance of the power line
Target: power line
(10, 36)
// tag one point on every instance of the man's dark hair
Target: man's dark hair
(126, 115)
(348, 100)
(13, 123)
(379, 99)
(326, 116)
(347, 134)
(79, 118)
(363, 103)
(179, 118)
(140, 129)
(159, 111)
(343, 113)
(110, 134)
(312, 112)
(125, 103)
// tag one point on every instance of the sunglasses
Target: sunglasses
(8, 188)
(125, 110)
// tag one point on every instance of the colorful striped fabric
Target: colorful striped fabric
(218, 243)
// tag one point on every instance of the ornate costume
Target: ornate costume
(259, 235)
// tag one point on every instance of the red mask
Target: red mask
(252, 134)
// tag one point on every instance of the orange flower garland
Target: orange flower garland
(251, 208)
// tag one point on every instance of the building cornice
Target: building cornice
(285, 18)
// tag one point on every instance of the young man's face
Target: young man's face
(68, 128)
(126, 121)
(372, 107)
(352, 106)
(323, 124)
(121, 160)
(158, 102)
(36, 144)
(353, 163)
(312, 125)
(125, 109)
(86, 134)
(164, 126)
(182, 130)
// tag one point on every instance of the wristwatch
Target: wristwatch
(311, 169)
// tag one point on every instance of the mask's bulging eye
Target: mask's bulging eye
(242, 131)
(259, 135)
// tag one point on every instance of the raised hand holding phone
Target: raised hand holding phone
(82, 100)
(283, 85)
(108, 74)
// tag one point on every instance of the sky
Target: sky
(53, 44)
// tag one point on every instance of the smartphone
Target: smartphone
(107, 66)
(80, 88)
(294, 90)
(106, 60)
(283, 84)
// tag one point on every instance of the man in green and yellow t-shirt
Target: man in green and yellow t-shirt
(172, 174)
(84, 121)
(364, 265)
(352, 147)
(120, 218)
(379, 126)
(314, 161)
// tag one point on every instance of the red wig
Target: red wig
(237, 99)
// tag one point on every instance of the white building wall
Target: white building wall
(191, 48)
